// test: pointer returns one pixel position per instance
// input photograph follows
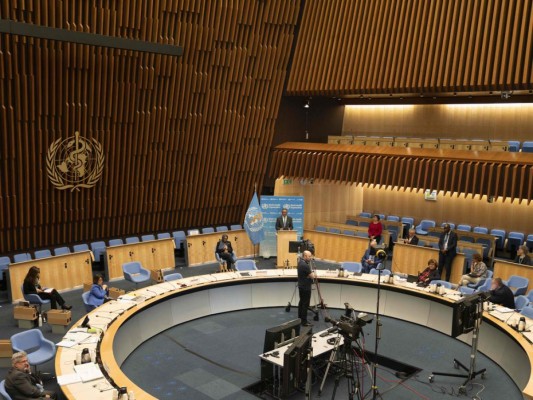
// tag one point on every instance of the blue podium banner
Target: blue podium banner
(271, 207)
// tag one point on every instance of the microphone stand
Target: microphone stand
(375, 391)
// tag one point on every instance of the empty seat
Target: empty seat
(320, 228)
(361, 234)
(520, 302)
(59, 251)
(80, 247)
(529, 243)
(530, 295)
(364, 224)
(351, 222)
(500, 235)
(365, 214)
(424, 225)
(4, 265)
(116, 242)
(208, 229)
(147, 238)
(172, 277)
(407, 223)
(527, 311)
(517, 284)
(235, 227)
(21, 257)
(245, 265)
(221, 228)
(98, 249)
(527, 147)
(348, 232)
(163, 235)
(375, 271)
(514, 145)
(352, 266)
(485, 287)
(38, 348)
(464, 228)
(134, 272)
(446, 284)
(85, 299)
(42, 254)
(334, 230)
(393, 218)
(466, 290)
(179, 238)
(132, 239)
(481, 229)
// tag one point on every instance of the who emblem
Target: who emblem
(75, 162)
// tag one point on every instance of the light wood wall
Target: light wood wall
(462, 121)
(323, 201)
(330, 201)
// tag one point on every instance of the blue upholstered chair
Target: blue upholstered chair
(393, 218)
(466, 290)
(485, 287)
(361, 234)
(481, 229)
(348, 232)
(163, 235)
(3, 391)
(320, 228)
(334, 230)
(425, 224)
(42, 254)
(520, 302)
(527, 311)
(375, 271)
(352, 266)
(4, 266)
(98, 249)
(39, 349)
(80, 247)
(179, 238)
(517, 284)
(85, 298)
(351, 222)
(21, 257)
(527, 147)
(245, 265)
(235, 227)
(464, 228)
(407, 222)
(500, 237)
(34, 298)
(365, 214)
(221, 228)
(59, 251)
(515, 240)
(208, 229)
(529, 242)
(147, 238)
(452, 225)
(134, 272)
(514, 145)
(172, 277)
(115, 242)
(132, 239)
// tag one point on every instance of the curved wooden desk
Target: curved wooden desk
(219, 293)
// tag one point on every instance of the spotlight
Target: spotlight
(307, 104)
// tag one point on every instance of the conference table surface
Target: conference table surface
(128, 322)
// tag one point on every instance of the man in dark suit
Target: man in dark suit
(284, 222)
(448, 250)
(21, 384)
(412, 238)
(501, 294)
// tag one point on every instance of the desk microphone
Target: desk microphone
(103, 316)
(119, 311)
(151, 291)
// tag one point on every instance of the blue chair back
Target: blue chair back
(452, 225)
(518, 284)
(424, 225)
(500, 237)
(530, 295)
(222, 228)
(351, 222)
(39, 349)
(529, 242)
(464, 228)
(85, 298)
(42, 254)
(59, 251)
(80, 247)
(365, 215)
(321, 228)
(179, 238)
(116, 242)
(235, 227)
(245, 265)
(146, 238)
(446, 284)
(163, 235)
(393, 218)
(527, 147)
(334, 230)
(98, 249)
(361, 234)
(481, 229)
(486, 286)
(466, 290)
(132, 239)
(21, 257)
(172, 277)
(374, 271)
(514, 240)
(520, 302)
(348, 232)
(208, 229)
(352, 266)
(3, 391)
(527, 311)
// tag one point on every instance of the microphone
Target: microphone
(119, 311)
(151, 291)
(103, 316)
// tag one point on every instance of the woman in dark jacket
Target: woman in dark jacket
(32, 285)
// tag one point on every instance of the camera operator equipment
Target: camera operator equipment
(343, 362)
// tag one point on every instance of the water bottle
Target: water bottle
(40, 320)
(522, 325)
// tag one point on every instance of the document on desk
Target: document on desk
(68, 379)
(88, 372)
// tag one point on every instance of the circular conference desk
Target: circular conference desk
(127, 324)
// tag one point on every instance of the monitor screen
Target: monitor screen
(295, 362)
(281, 333)
(465, 314)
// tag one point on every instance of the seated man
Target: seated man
(478, 271)
(21, 384)
(412, 238)
(501, 294)
(368, 261)
(225, 251)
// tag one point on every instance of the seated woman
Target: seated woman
(99, 293)
(478, 271)
(368, 261)
(431, 273)
(225, 251)
(522, 256)
(32, 286)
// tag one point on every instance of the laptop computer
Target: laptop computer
(412, 278)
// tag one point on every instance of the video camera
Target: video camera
(350, 327)
(299, 246)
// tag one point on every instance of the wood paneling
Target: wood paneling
(185, 138)
(406, 46)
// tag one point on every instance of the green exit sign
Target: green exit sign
(287, 181)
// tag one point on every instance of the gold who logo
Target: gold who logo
(75, 162)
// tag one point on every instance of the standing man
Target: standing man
(284, 222)
(448, 250)
(305, 280)
(21, 384)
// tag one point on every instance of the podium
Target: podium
(286, 259)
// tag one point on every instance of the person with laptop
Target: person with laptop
(431, 273)
(501, 294)
(21, 384)
(478, 271)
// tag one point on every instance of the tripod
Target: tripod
(472, 373)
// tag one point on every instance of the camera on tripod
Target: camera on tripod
(299, 246)
(350, 327)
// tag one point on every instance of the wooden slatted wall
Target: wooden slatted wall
(504, 175)
(413, 46)
(185, 138)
